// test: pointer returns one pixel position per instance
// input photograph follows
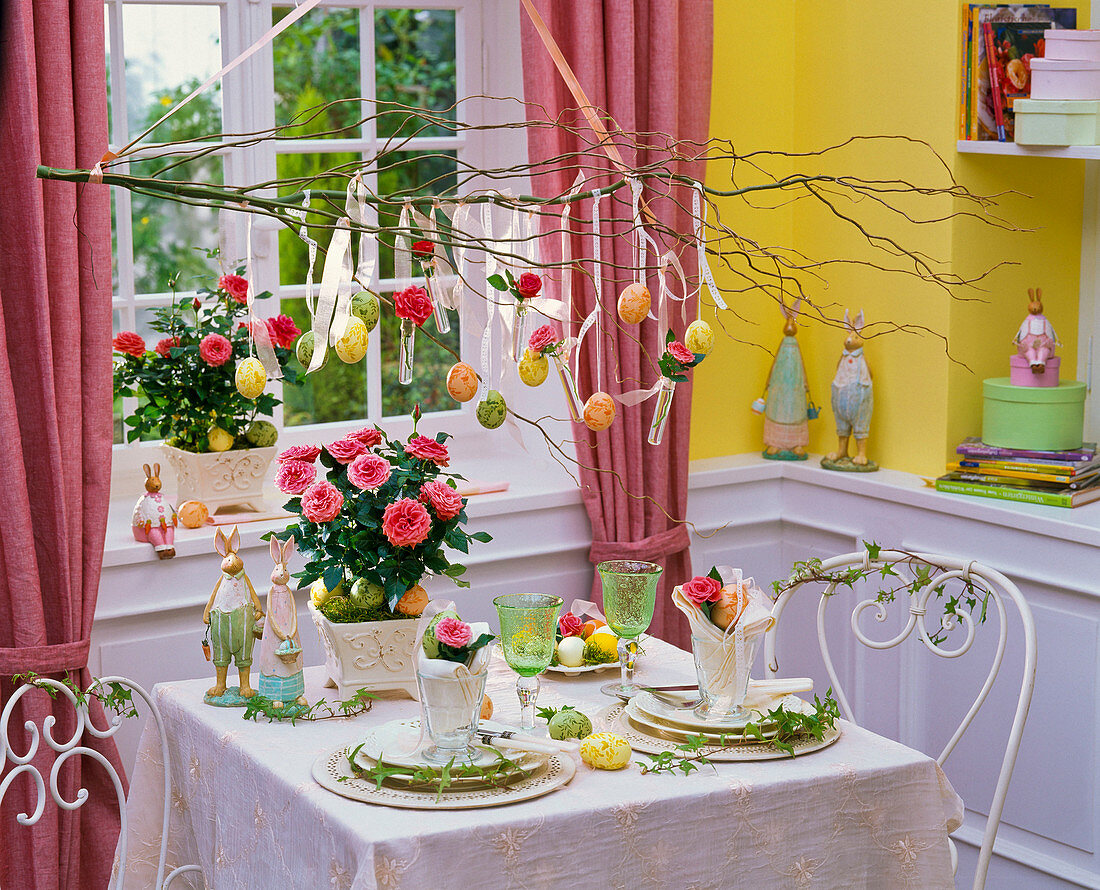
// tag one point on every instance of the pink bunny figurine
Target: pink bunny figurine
(1035, 340)
(281, 678)
(154, 520)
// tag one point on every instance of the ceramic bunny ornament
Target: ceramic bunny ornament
(853, 400)
(281, 678)
(786, 399)
(154, 519)
(233, 613)
(1035, 340)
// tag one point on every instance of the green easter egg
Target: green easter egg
(304, 350)
(366, 595)
(365, 307)
(430, 643)
(261, 433)
(492, 410)
(570, 724)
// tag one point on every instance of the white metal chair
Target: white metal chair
(72, 747)
(944, 572)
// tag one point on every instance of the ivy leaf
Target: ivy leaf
(873, 549)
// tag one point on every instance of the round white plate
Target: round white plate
(647, 723)
(399, 743)
(663, 712)
(332, 772)
(583, 669)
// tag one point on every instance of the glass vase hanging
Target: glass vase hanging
(519, 330)
(569, 384)
(661, 410)
(405, 360)
(439, 311)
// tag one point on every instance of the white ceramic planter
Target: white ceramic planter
(221, 478)
(372, 655)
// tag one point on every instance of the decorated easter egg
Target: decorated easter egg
(366, 595)
(192, 514)
(353, 345)
(601, 649)
(571, 652)
(725, 611)
(599, 411)
(429, 642)
(699, 337)
(261, 433)
(364, 306)
(492, 410)
(605, 750)
(569, 723)
(304, 350)
(486, 708)
(251, 378)
(319, 594)
(591, 626)
(533, 368)
(634, 303)
(462, 382)
(413, 602)
(219, 439)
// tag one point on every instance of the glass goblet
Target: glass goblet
(528, 623)
(629, 595)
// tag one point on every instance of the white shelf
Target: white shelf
(1086, 152)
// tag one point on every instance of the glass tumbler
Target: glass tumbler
(450, 708)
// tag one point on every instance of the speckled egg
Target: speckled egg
(192, 514)
(569, 724)
(262, 433)
(599, 411)
(353, 345)
(634, 303)
(462, 382)
(605, 750)
(365, 307)
(251, 378)
(304, 350)
(492, 410)
(533, 368)
(414, 601)
(699, 337)
(219, 439)
(366, 595)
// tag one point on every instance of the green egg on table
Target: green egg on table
(492, 410)
(261, 433)
(569, 724)
(365, 307)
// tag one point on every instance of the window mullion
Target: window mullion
(369, 87)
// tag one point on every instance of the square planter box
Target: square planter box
(221, 478)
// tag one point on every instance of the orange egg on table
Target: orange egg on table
(599, 411)
(590, 627)
(462, 382)
(414, 601)
(192, 514)
(486, 708)
(634, 303)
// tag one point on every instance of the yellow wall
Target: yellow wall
(811, 76)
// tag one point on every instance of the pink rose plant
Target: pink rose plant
(163, 346)
(235, 286)
(346, 450)
(680, 352)
(368, 435)
(215, 350)
(570, 625)
(368, 472)
(424, 448)
(702, 589)
(443, 499)
(295, 476)
(308, 453)
(282, 330)
(406, 523)
(454, 633)
(129, 343)
(543, 338)
(413, 303)
(322, 502)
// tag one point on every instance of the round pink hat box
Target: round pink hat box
(1020, 373)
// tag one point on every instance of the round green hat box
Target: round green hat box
(1035, 418)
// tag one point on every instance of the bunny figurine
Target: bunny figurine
(281, 678)
(233, 613)
(154, 520)
(1035, 340)
(786, 399)
(853, 400)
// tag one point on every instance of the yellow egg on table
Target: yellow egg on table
(533, 368)
(219, 439)
(251, 378)
(462, 382)
(599, 411)
(601, 649)
(634, 303)
(699, 337)
(192, 514)
(605, 750)
(353, 345)
(571, 652)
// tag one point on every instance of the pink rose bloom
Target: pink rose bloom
(528, 284)
(322, 502)
(215, 350)
(413, 303)
(346, 450)
(701, 590)
(368, 435)
(308, 453)
(368, 471)
(454, 633)
(164, 345)
(283, 331)
(443, 499)
(235, 286)
(680, 352)
(570, 625)
(543, 338)
(406, 523)
(295, 476)
(429, 449)
(130, 343)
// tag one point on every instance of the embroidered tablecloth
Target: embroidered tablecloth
(864, 813)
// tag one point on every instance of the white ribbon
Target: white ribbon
(257, 329)
(311, 247)
(463, 225)
(593, 319)
(490, 299)
(638, 232)
(402, 252)
(699, 220)
(359, 211)
(567, 261)
(324, 324)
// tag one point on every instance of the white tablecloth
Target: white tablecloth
(866, 812)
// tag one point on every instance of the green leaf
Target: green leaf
(873, 550)
(498, 282)
(715, 574)
(483, 537)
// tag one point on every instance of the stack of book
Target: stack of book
(1055, 478)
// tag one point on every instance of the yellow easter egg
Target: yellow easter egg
(699, 337)
(320, 594)
(599, 411)
(219, 439)
(533, 368)
(251, 378)
(462, 382)
(605, 750)
(192, 514)
(634, 303)
(353, 345)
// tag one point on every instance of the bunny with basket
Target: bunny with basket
(281, 678)
(154, 519)
(853, 400)
(233, 613)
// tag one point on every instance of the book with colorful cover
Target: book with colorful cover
(1064, 470)
(975, 447)
(1020, 494)
(1038, 481)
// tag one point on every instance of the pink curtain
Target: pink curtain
(647, 63)
(55, 417)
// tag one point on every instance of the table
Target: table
(865, 812)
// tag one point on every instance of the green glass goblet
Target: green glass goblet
(629, 595)
(528, 622)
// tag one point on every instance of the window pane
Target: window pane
(317, 61)
(107, 45)
(415, 173)
(430, 365)
(414, 66)
(170, 50)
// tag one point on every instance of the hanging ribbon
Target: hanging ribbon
(324, 324)
(463, 225)
(311, 247)
(402, 252)
(366, 215)
(567, 261)
(257, 330)
(638, 231)
(490, 299)
(593, 319)
(699, 219)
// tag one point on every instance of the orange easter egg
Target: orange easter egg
(599, 411)
(486, 708)
(462, 382)
(192, 514)
(634, 303)
(726, 610)
(590, 626)
(414, 601)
